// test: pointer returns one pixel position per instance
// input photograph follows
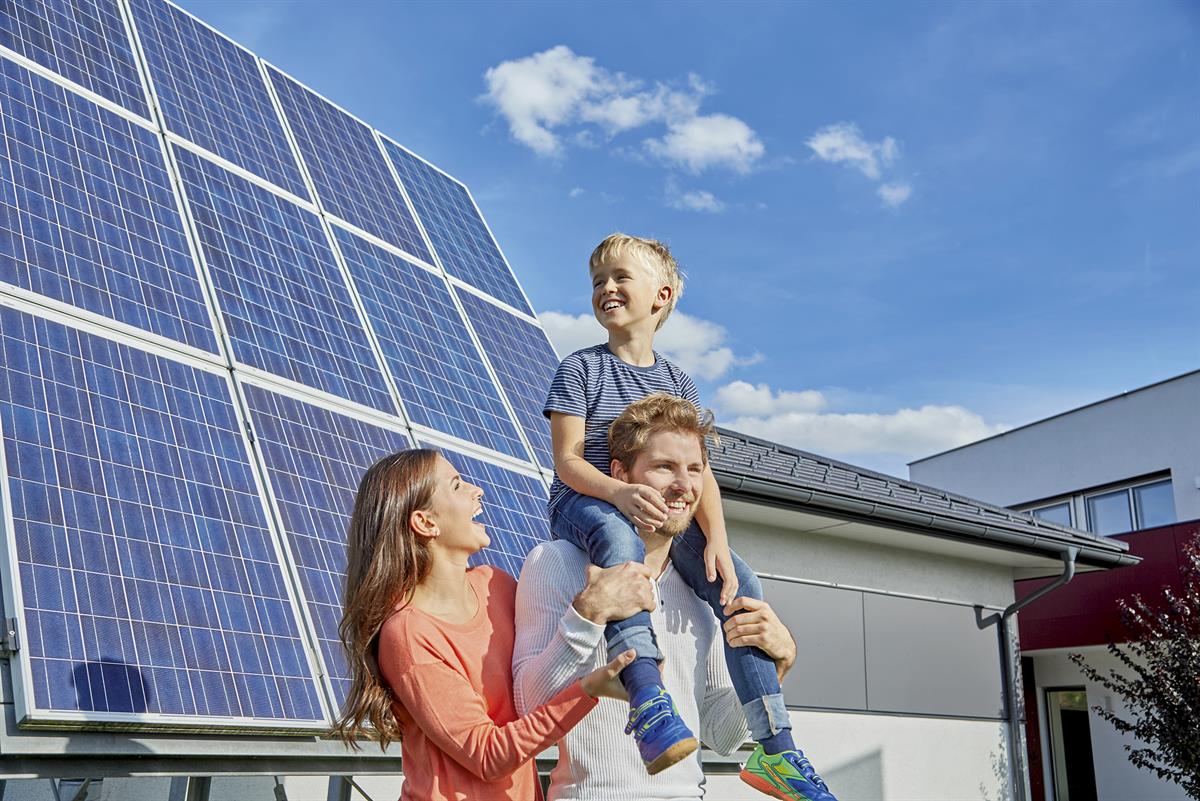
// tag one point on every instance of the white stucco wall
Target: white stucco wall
(1116, 778)
(1146, 431)
(896, 758)
(834, 560)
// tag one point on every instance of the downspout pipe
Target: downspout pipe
(1010, 667)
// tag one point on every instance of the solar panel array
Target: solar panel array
(222, 297)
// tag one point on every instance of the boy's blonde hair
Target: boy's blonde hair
(642, 419)
(650, 252)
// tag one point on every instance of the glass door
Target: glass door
(1070, 744)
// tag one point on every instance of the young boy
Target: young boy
(635, 285)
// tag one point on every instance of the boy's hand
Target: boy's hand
(642, 505)
(717, 561)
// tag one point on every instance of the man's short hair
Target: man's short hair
(655, 255)
(642, 419)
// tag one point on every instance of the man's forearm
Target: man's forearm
(555, 644)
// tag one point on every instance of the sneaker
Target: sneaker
(787, 775)
(662, 737)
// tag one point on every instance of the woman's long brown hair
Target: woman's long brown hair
(384, 564)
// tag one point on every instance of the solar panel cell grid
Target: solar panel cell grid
(348, 169)
(149, 580)
(284, 300)
(315, 459)
(85, 41)
(437, 368)
(87, 213)
(212, 93)
(458, 234)
(525, 362)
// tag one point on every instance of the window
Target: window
(1116, 509)
(1059, 513)
(1155, 504)
(1140, 506)
(1109, 513)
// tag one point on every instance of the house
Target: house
(1126, 468)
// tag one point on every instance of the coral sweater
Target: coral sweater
(461, 737)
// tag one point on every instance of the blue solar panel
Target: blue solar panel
(437, 368)
(149, 577)
(212, 93)
(457, 232)
(315, 459)
(347, 167)
(87, 213)
(83, 40)
(514, 510)
(525, 362)
(284, 300)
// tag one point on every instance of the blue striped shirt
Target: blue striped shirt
(594, 384)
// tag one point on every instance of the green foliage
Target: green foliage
(1160, 679)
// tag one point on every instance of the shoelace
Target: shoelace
(657, 700)
(805, 767)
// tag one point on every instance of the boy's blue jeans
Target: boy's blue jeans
(609, 538)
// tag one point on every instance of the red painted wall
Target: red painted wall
(1084, 612)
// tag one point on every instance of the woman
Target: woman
(430, 641)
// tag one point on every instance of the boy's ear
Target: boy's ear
(423, 525)
(665, 293)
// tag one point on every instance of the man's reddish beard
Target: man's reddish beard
(677, 525)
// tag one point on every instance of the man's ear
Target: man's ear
(423, 524)
(618, 471)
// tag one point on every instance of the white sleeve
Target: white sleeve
(722, 722)
(554, 644)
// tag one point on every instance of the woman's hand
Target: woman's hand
(603, 682)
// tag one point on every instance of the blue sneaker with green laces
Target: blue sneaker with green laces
(787, 775)
(661, 735)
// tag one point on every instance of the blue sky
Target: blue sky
(905, 225)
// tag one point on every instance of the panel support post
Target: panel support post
(190, 788)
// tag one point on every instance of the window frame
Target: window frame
(1032, 511)
(1128, 487)
(1079, 510)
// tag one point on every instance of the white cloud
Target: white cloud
(542, 91)
(893, 195)
(570, 332)
(743, 399)
(696, 200)
(843, 143)
(709, 140)
(556, 89)
(696, 345)
(798, 419)
(575, 192)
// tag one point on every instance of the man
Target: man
(563, 604)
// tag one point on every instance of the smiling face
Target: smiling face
(625, 292)
(453, 511)
(672, 463)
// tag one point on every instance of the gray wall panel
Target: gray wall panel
(930, 658)
(827, 623)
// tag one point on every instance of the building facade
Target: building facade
(1127, 467)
